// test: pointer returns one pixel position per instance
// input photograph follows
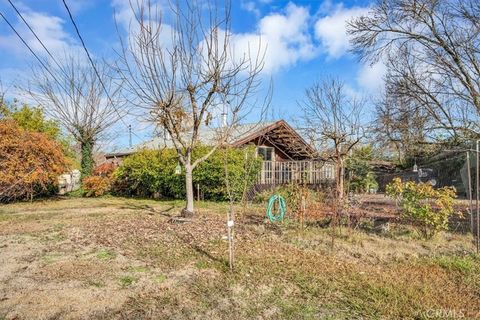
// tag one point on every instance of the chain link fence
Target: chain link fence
(453, 168)
(449, 168)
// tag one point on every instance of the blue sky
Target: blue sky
(306, 42)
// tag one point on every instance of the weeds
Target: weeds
(127, 281)
(138, 269)
(201, 264)
(106, 254)
(464, 265)
(160, 278)
(96, 283)
(51, 257)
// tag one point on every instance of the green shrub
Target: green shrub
(148, 172)
(151, 173)
(95, 186)
(243, 168)
(33, 119)
(425, 206)
(359, 172)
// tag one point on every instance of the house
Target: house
(287, 157)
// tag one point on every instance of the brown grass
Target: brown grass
(114, 258)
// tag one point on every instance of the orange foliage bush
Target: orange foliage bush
(105, 169)
(96, 186)
(30, 162)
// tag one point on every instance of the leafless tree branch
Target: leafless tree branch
(185, 74)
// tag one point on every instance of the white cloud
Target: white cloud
(250, 6)
(125, 12)
(283, 37)
(370, 78)
(50, 29)
(331, 29)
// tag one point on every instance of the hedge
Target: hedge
(151, 173)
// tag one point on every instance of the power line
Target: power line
(35, 55)
(43, 64)
(45, 48)
(33, 32)
(93, 64)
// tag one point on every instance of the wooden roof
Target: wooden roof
(279, 134)
(284, 137)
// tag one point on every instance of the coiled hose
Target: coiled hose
(281, 209)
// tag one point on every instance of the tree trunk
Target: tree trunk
(86, 162)
(340, 178)
(189, 208)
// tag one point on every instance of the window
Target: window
(266, 153)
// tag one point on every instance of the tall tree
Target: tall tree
(403, 126)
(185, 73)
(431, 50)
(333, 120)
(74, 94)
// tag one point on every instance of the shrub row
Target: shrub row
(151, 173)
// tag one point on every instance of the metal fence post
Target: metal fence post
(478, 194)
(469, 190)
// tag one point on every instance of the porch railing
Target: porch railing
(307, 172)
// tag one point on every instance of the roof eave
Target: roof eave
(263, 131)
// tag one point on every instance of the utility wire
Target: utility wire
(45, 48)
(42, 63)
(36, 36)
(36, 56)
(93, 64)
(55, 60)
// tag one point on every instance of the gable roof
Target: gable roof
(283, 136)
(279, 133)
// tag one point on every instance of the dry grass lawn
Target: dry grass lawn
(115, 258)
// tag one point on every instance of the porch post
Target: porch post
(262, 174)
(310, 173)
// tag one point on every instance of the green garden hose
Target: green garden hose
(282, 208)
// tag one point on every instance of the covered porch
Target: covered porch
(310, 172)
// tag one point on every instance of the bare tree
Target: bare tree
(184, 74)
(72, 93)
(402, 124)
(334, 121)
(431, 49)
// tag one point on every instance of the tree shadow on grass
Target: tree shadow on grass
(201, 251)
(150, 210)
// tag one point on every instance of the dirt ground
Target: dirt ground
(115, 258)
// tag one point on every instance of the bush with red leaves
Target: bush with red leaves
(96, 186)
(30, 163)
(105, 169)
